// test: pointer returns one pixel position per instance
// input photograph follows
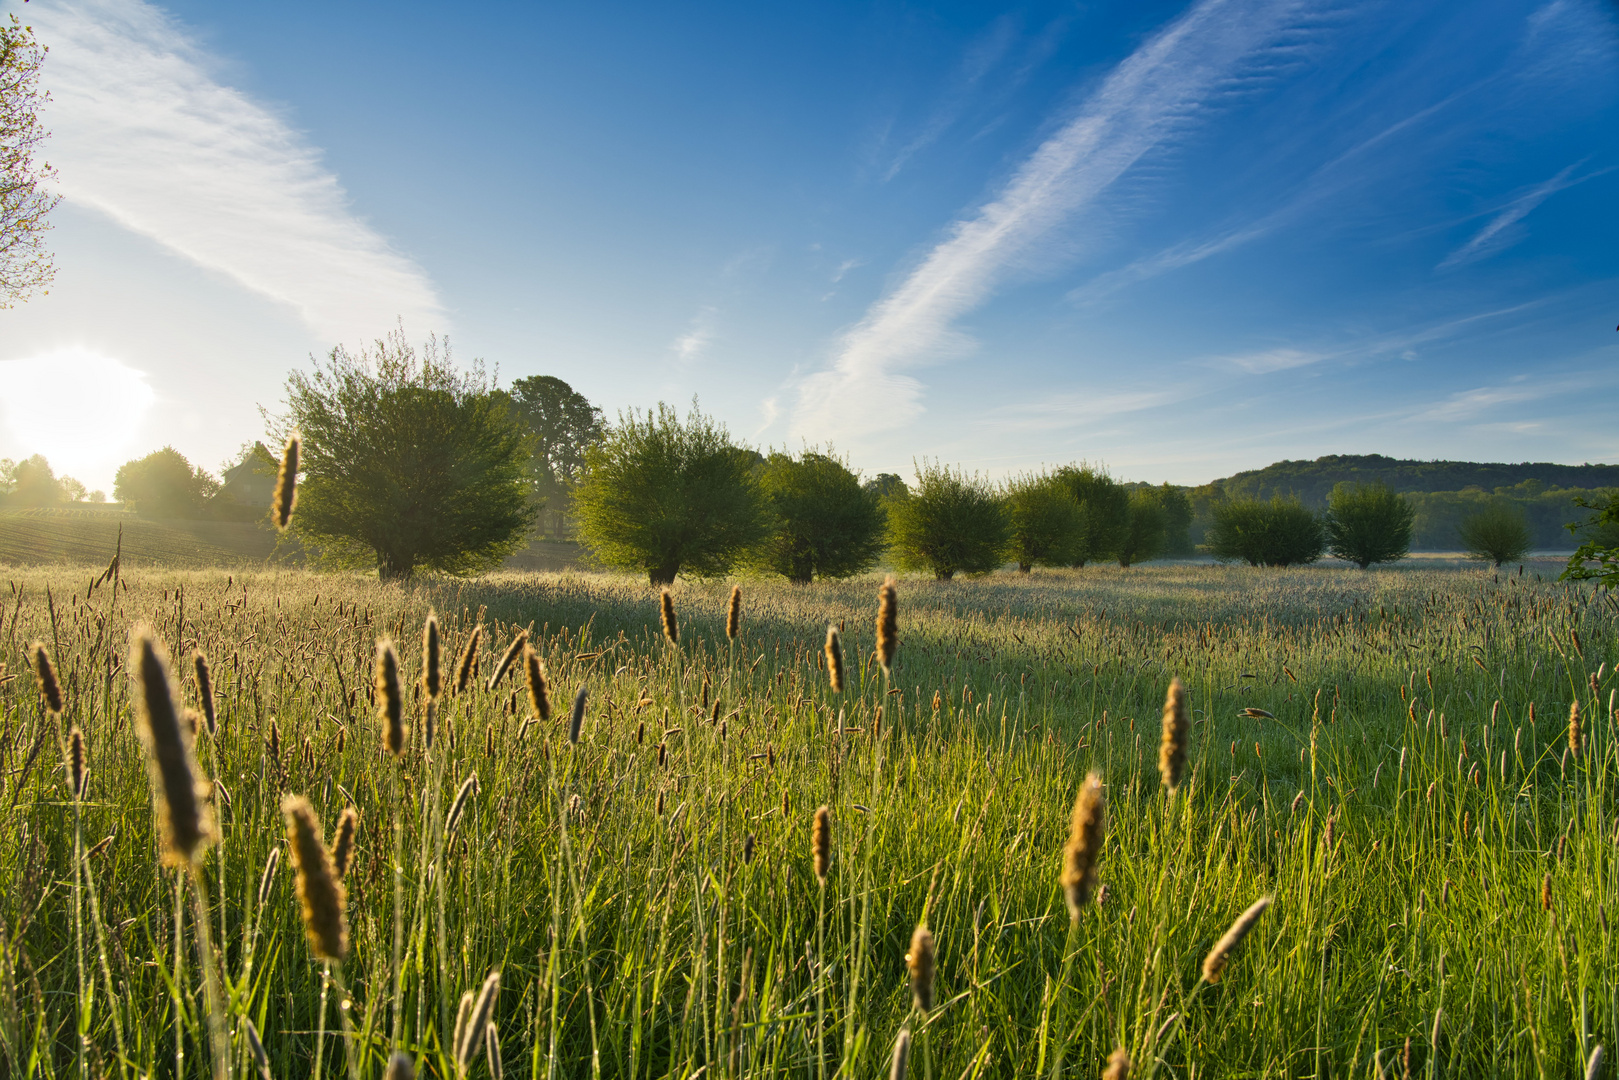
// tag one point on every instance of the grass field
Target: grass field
(1444, 871)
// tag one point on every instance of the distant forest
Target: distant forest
(1443, 492)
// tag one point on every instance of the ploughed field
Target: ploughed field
(1386, 755)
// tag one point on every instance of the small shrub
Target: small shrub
(1281, 532)
(1368, 523)
(949, 523)
(1496, 534)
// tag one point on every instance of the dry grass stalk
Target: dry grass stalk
(78, 774)
(902, 1054)
(432, 681)
(1177, 733)
(466, 665)
(390, 698)
(887, 625)
(507, 658)
(733, 613)
(478, 1018)
(539, 695)
(183, 809)
(666, 613)
(1083, 852)
(320, 892)
(834, 659)
(286, 483)
(920, 963)
(1214, 964)
(1576, 733)
(50, 687)
(820, 840)
(205, 691)
(1118, 1066)
(576, 721)
(343, 845)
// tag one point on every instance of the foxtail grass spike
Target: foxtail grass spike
(666, 613)
(834, 659)
(182, 795)
(400, 1067)
(77, 767)
(267, 879)
(286, 483)
(509, 657)
(255, 1046)
(205, 691)
(902, 1053)
(459, 805)
(821, 841)
(919, 961)
(539, 695)
(497, 1069)
(1576, 734)
(343, 844)
(1083, 852)
(320, 892)
(390, 698)
(733, 613)
(1118, 1066)
(478, 1018)
(576, 722)
(467, 662)
(50, 687)
(1214, 964)
(887, 625)
(1593, 1067)
(1177, 733)
(432, 681)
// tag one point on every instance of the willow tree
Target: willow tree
(25, 195)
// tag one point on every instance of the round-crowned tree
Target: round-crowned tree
(1104, 512)
(949, 523)
(823, 523)
(1043, 521)
(1146, 527)
(1368, 523)
(1281, 532)
(1496, 534)
(408, 463)
(666, 496)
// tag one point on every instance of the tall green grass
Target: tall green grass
(1398, 803)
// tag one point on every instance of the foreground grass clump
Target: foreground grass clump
(643, 884)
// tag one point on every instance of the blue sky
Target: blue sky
(1180, 239)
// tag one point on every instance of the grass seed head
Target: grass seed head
(1576, 734)
(477, 1019)
(459, 806)
(920, 963)
(1177, 733)
(286, 483)
(320, 892)
(834, 659)
(78, 773)
(182, 795)
(1083, 851)
(539, 695)
(576, 721)
(50, 687)
(497, 1068)
(343, 845)
(733, 613)
(205, 691)
(467, 663)
(390, 698)
(400, 1067)
(255, 1046)
(432, 681)
(820, 840)
(1546, 893)
(1214, 964)
(902, 1054)
(1118, 1066)
(666, 613)
(507, 658)
(887, 625)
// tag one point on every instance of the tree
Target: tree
(1497, 534)
(408, 463)
(1145, 527)
(1601, 542)
(25, 196)
(949, 523)
(824, 524)
(1104, 508)
(561, 425)
(1042, 521)
(1177, 508)
(886, 485)
(1281, 532)
(1368, 523)
(30, 482)
(666, 496)
(163, 484)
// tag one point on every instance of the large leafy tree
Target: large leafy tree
(1496, 534)
(409, 463)
(949, 523)
(1104, 512)
(1043, 521)
(1146, 527)
(163, 484)
(1368, 523)
(25, 195)
(562, 424)
(1281, 532)
(666, 496)
(1597, 558)
(824, 524)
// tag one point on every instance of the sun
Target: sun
(79, 408)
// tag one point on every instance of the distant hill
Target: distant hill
(1312, 481)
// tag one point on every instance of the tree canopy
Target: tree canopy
(561, 424)
(949, 523)
(1368, 523)
(163, 484)
(667, 496)
(823, 522)
(408, 462)
(1597, 558)
(1495, 534)
(1043, 521)
(26, 199)
(1104, 507)
(1280, 532)
(32, 482)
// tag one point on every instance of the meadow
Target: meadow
(1387, 755)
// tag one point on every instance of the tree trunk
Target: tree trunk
(663, 575)
(1023, 567)
(943, 575)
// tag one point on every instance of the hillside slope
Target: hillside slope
(1312, 481)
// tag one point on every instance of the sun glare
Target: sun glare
(81, 409)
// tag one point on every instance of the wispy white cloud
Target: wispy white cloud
(1141, 105)
(1495, 236)
(1065, 411)
(145, 133)
(1269, 360)
(699, 335)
